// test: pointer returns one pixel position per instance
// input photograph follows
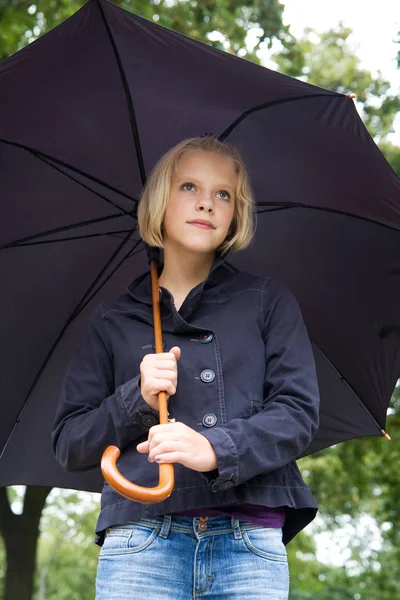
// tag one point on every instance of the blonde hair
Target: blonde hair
(155, 195)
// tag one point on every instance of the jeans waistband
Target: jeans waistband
(221, 524)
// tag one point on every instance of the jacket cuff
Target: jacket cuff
(226, 475)
(136, 408)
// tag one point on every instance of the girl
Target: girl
(242, 389)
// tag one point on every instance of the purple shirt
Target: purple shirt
(252, 513)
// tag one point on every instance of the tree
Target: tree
(361, 477)
(327, 60)
(20, 533)
(67, 557)
(392, 155)
(23, 21)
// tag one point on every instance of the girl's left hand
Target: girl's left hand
(178, 443)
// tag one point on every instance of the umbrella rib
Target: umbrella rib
(269, 210)
(323, 209)
(83, 301)
(86, 186)
(21, 241)
(131, 110)
(275, 103)
(79, 307)
(43, 155)
(75, 237)
(134, 252)
(131, 252)
(346, 383)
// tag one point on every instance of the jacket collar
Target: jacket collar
(140, 288)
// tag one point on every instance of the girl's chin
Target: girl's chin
(195, 245)
(198, 248)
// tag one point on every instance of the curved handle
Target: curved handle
(130, 490)
(111, 454)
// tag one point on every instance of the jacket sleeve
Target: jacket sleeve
(91, 413)
(289, 419)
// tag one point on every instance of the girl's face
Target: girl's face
(202, 188)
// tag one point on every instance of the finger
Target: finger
(178, 428)
(165, 431)
(143, 447)
(161, 437)
(166, 365)
(167, 355)
(171, 457)
(160, 373)
(162, 428)
(165, 447)
(176, 352)
(168, 387)
(159, 356)
(160, 385)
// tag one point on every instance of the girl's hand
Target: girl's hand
(178, 443)
(159, 373)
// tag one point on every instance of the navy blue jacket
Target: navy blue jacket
(246, 381)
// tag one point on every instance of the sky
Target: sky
(375, 25)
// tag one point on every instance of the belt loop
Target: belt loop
(237, 534)
(166, 526)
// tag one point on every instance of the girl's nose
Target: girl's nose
(206, 203)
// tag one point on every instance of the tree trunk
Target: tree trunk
(21, 533)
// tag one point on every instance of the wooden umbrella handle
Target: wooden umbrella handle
(111, 454)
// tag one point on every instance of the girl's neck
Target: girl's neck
(183, 270)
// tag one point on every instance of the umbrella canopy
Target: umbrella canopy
(86, 111)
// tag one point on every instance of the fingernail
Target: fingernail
(157, 458)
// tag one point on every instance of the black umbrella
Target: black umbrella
(86, 111)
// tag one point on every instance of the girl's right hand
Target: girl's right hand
(159, 373)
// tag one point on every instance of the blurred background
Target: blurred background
(352, 550)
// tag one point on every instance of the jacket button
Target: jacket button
(209, 420)
(226, 485)
(207, 375)
(149, 420)
(206, 337)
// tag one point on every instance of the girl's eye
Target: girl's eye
(187, 183)
(227, 194)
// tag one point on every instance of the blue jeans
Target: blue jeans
(172, 558)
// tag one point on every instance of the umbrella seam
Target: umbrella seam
(276, 103)
(59, 230)
(69, 239)
(324, 209)
(128, 96)
(346, 383)
(42, 155)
